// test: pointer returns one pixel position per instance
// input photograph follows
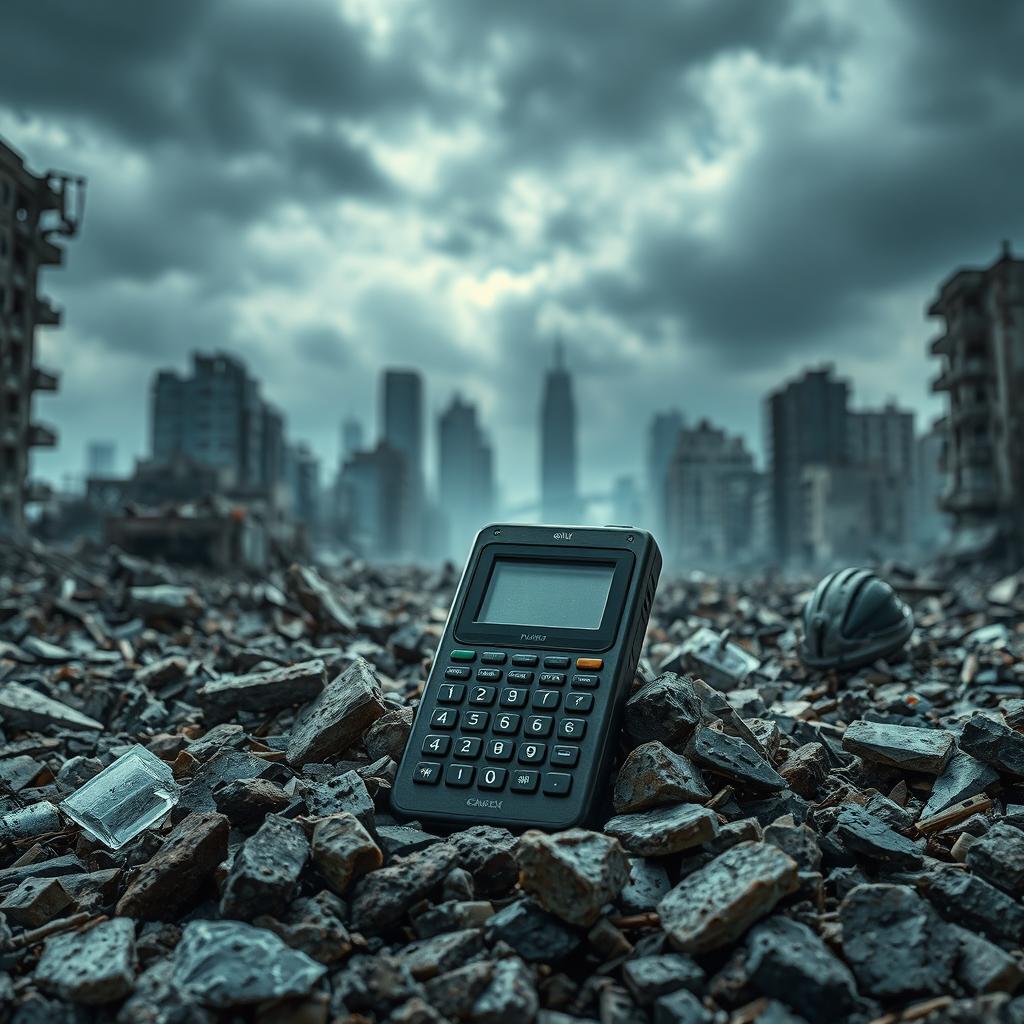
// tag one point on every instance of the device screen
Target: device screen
(567, 595)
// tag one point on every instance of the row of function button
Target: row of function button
(514, 697)
(500, 750)
(528, 660)
(555, 783)
(521, 677)
(536, 725)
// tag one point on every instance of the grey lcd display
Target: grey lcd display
(564, 595)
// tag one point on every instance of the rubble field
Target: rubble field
(194, 823)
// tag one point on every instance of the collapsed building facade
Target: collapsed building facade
(36, 211)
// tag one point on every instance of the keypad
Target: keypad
(495, 729)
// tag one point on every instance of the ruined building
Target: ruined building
(982, 353)
(35, 213)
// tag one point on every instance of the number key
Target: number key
(475, 721)
(571, 728)
(499, 750)
(443, 718)
(468, 746)
(459, 774)
(532, 753)
(482, 695)
(436, 745)
(539, 725)
(524, 781)
(507, 725)
(581, 702)
(513, 698)
(546, 699)
(493, 778)
(451, 693)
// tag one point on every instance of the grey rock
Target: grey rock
(372, 984)
(734, 759)
(805, 769)
(314, 594)
(382, 898)
(401, 840)
(799, 841)
(95, 966)
(165, 601)
(998, 857)
(155, 999)
(42, 650)
(870, 837)
(680, 1007)
(665, 709)
(173, 878)
(648, 882)
(246, 802)
(345, 792)
(265, 870)
(230, 766)
(895, 943)
(488, 853)
(453, 994)
(343, 850)
(388, 735)
(789, 962)
(34, 902)
(338, 717)
(315, 926)
(653, 775)
(994, 743)
(963, 777)
(36, 819)
(279, 688)
(649, 977)
(572, 874)
(719, 902)
(21, 707)
(906, 747)
(664, 830)
(510, 998)
(983, 966)
(229, 963)
(532, 932)
(426, 958)
(970, 901)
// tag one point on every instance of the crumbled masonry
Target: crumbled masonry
(776, 845)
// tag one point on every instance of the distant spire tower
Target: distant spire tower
(559, 496)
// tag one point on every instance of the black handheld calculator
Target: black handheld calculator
(521, 711)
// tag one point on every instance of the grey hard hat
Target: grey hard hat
(852, 618)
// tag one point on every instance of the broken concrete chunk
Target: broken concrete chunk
(998, 857)
(94, 967)
(664, 830)
(343, 850)
(665, 709)
(488, 853)
(983, 966)
(717, 903)
(338, 717)
(246, 802)
(388, 735)
(572, 874)
(34, 902)
(532, 932)
(283, 687)
(963, 777)
(36, 819)
(652, 775)
(314, 594)
(165, 601)
(649, 977)
(734, 759)
(383, 897)
(970, 901)
(21, 707)
(510, 996)
(868, 836)
(788, 961)
(896, 944)
(994, 744)
(805, 769)
(905, 747)
(173, 878)
(426, 958)
(265, 870)
(228, 963)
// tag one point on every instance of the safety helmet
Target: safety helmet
(853, 618)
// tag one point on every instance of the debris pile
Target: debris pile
(194, 824)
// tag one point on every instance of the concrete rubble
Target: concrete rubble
(774, 844)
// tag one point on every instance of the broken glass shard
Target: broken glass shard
(131, 795)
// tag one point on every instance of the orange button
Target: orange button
(590, 664)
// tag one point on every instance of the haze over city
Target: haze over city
(699, 198)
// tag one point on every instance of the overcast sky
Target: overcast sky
(699, 197)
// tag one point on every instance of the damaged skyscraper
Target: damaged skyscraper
(982, 353)
(35, 212)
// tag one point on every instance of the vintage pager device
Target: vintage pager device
(521, 712)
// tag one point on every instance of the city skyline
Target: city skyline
(704, 201)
